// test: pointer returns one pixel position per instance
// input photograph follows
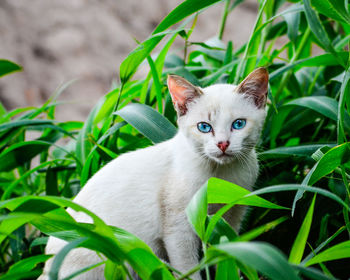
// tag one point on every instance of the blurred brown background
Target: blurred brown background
(57, 41)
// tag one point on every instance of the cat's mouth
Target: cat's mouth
(223, 155)
(223, 158)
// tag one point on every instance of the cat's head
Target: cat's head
(222, 122)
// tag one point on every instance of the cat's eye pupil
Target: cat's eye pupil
(204, 127)
(239, 124)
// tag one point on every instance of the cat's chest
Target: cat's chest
(194, 177)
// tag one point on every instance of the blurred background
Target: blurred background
(86, 40)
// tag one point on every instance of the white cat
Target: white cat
(146, 192)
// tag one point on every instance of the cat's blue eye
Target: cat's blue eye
(239, 124)
(204, 127)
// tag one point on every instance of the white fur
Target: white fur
(146, 192)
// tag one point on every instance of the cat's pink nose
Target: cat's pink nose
(223, 145)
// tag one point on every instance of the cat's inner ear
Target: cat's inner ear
(255, 86)
(182, 92)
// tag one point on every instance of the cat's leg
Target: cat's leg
(182, 246)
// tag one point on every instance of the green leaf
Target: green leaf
(27, 264)
(116, 244)
(293, 21)
(80, 271)
(59, 258)
(260, 256)
(129, 65)
(7, 67)
(114, 271)
(332, 159)
(185, 9)
(13, 185)
(334, 9)
(157, 84)
(254, 233)
(221, 191)
(84, 146)
(227, 270)
(299, 244)
(311, 273)
(342, 113)
(322, 104)
(295, 187)
(319, 31)
(327, 59)
(339, 251)
(197, 210)
(222, 229)
(295, 151)
(22, 123)
(20, 153)
(148, 122)
(51, 182)
(322, 245)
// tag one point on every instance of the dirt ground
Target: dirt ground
(86, 40)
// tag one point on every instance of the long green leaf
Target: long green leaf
(295, 187)
(221, 191)
(13, 185)
(20, 153)
(332, 8)
(339, 251)
(59, 258)
(327, 59)
(197, 210)
(129, 65)
(148, 122)
(344, 96)
(331, 160)
(311, 273)
(27, 264)
(299, 244)
(262, 257)
(254, 233)
(23, 123)
(115, 244)
(319, 31)
(322, 104)
(294, 151)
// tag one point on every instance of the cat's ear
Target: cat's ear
(255, 86)
(182, 92)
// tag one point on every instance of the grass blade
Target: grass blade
(339, 251)
(299, 244)
(262, 257)
(319, 31)
(59, 258)
(322, 104)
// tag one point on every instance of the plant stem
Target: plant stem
(224, 18)
(207, 274)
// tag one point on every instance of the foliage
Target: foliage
(301, 202)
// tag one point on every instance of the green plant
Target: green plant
(304, 153)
